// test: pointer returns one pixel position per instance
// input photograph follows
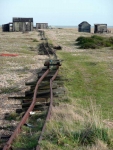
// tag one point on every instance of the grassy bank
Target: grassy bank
(88, 81)
(81, 121)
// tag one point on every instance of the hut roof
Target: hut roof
(41, 23)
(100, 24)
(84, 22)
(18, 19)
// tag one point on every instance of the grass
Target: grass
(16, 61)
(12, 116)
(35, 40)
(78, 123)
(90, 134)
(88, 80)
(84, 137)
(26, 51)
(58, 136)
(94, 42)
(27, 142)
(8, 90)
(28, 138)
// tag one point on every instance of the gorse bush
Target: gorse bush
(94, 42)
(97, 37)
(112, 47)
(111, 39)
(91, 44)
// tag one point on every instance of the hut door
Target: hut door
(26, 26)
(96, 29)
(39, 25)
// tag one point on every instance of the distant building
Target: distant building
(22, 24)
(100, 28)
(18, 25)
(84, 27)
(7, 27)
(41, 26)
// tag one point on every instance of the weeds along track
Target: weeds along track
(36, 104)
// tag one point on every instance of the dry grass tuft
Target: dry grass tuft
(66, 112)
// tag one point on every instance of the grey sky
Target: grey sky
(58, 12)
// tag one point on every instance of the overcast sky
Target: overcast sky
(58, 12)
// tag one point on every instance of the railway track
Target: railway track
(36, 104)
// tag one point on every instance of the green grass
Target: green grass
(12, 116)
(8, 90)
(35, 40)
(78, 123)
(88, 80)
(28, 138)
(90, 134)
(94, 42)
(27, 142)
(25, 50)
(58, 137)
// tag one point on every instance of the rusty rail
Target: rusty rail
(53, 52)
(50, 108)
(46, 50)
(18, 129)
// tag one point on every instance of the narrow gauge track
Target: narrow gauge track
(48, 73)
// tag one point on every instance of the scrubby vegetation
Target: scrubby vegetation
(94, 42)
(35, 40)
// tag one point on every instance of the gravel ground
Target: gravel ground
(15, 71)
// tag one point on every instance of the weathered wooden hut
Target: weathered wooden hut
(22, 24)
(100, 28)
(41, 26)
(84, 27)
(7, 27)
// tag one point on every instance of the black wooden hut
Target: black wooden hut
(84, 27)
(7, 27)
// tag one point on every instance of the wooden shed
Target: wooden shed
(100, 28)
(7, 27)
(41, 26)
(84, 27)
(22, 24)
